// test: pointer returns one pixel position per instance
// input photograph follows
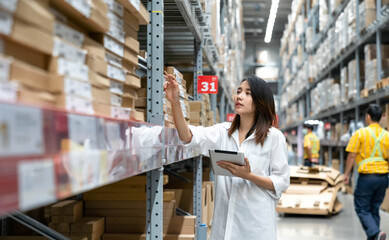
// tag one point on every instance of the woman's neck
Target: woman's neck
(246, 123)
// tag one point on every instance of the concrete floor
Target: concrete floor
(344, 226)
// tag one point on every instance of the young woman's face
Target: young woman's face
(243, 100)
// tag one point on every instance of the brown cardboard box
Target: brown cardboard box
(97, 21)
(31, 36)
(211, 201)
(195, 116)
(67, 207)
(130, 20)
(335, 164)
(141, 102)
(88, 225)
(102, 109)
(130, 92)
(128, 102)
(75, 104)
(98, 80)
(138, 115)
(196, 106)
(95, 49)
(89, 236)
(130, 32)
(26, 74)
(101, 95)
(30, 96)
(97, 64)
(133, 81)
(132, 44)
(140, 11)
(35, 14)
(60, 227)
(27, 55)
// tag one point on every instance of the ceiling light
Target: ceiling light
(271, 20)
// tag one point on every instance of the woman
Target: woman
(245, 204)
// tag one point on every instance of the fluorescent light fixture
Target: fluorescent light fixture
(271, 20)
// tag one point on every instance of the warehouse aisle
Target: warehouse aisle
(344, 226)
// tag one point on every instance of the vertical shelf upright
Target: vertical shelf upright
(155, 79)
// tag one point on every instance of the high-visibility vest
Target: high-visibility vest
(315, 145)
(376, 148)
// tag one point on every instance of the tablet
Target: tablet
(229, 156)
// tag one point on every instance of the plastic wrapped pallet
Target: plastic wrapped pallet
(367, 12)
(344, 85)
(352, 78)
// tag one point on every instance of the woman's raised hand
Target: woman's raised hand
(171, 88)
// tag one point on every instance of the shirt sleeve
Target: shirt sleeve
(354, 143)
(206, 138)
(279, 169)
(307, 142)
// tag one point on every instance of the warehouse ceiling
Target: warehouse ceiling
(256, 14)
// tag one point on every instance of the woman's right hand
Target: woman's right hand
(171, 88)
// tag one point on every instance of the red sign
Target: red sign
(293, 132)
(207, 84)
(327, 126)
(230, 117)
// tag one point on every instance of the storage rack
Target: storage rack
(172, 23)
(354, 109)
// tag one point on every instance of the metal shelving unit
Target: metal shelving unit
(177, 31)
(373, 34)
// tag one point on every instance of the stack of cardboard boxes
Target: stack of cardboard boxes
(209, 121)
(197, 113)
(76, 55)
(312, 191)
(371, 65)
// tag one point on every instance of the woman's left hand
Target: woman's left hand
(237, 170)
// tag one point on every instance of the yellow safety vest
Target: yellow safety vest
(376, 148)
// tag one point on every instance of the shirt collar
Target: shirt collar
(375, 125)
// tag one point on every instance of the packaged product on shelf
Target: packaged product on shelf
(352, 78)
(91, 15)
(367, 12)
(344, 85)
(90, 227)
(334, 5)
(323, 15)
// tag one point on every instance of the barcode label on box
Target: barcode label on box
(73, 70)
(21, 131)
(82, 6)
(120, 113)
(8, 91)
(6, 23)
(80, 105)
(136, 4)
(36, 183)
(113, 46)
(5, 64)
(116, 21)
(81, 89)
(69, 34)
(66, 50)
(114, 60)
(116, 73)
(116, 87)
(116, 100)
(115, 7)
(9, 5)
(116, 33)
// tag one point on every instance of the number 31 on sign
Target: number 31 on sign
(207, 84)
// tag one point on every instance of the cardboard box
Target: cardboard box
(130, 92)
(138, 115)
(196, 106)
(102, 96)
(89, 236)
(28, 75)
(130, 32)
(88, 225)
(128, 102)
(64, 67)
(98, 80)
(139, 11)
(130, 20)
(102, 109)
(67, 207)
(35, 14)
(60, 227)
(141, 102)
(27, 55)
(132, 44)
(97, 19)
(30, 96)
(29, 35)
(75, 104)
(133, 81)
(61, 84)
(95, 49)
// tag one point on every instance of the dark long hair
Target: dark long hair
(265, 113)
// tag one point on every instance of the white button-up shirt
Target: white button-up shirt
(243, 210)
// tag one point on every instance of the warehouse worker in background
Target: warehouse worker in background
(244, 204)
(311, 146)
(369, 147)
